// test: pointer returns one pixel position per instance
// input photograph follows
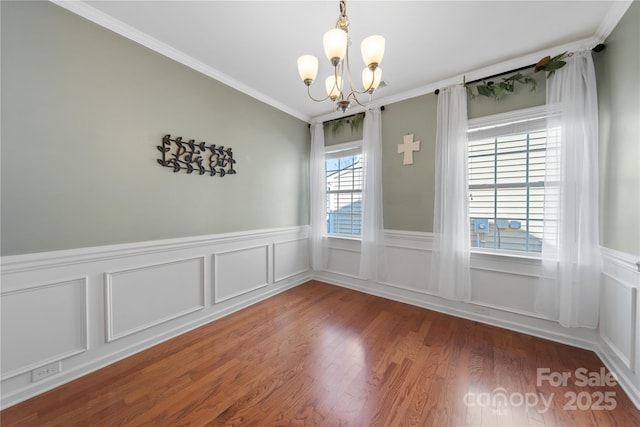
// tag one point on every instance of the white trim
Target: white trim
(409, 248)
(94, 15)
(627, 384)
(616, 11)
(420, 236)
(526, 323)
(508, 117)
(470, 75)
(404, 288)
(84, 332)
(85, 10)
(274, 261)
(512, 122)
(108, 292)
(553, 332)
(619, 266)
(28, 262)
(338, 149)
(336, 248)
(27, 272)
(216, 255)
(626, 261)
(93, 365)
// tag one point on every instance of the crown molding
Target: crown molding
(616, 12)
(83, 9)
(611, 19)
(521, 61)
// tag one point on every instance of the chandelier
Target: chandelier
(336, 46)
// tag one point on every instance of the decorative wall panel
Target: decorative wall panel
(42, 324)
(240, 271)
(144, 297)
(290, 258)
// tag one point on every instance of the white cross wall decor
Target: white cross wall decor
(407, 148)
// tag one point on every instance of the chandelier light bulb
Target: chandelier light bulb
(371, 79)
(372, 51)
(308, 68)
(335, 45)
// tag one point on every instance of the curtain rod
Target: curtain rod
(598, 48)
(346, 117)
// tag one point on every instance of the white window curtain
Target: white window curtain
(450, 275)
(372, 260)
(318, 202)
(569, 289)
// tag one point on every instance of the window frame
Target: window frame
(335, 151)
(524, 121)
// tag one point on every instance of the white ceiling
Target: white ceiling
(253, 45)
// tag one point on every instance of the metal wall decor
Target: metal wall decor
(196, 157)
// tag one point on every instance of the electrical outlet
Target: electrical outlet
(45, 371)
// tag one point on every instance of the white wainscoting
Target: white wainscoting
(503, 295)
(180, 285)
(293, 256)
(240, 271)
(619, 320)
(87, 308)
(83, 309)
(53, 325)
(499, 282)
(343, 257)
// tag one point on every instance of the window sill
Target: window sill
(343, 237)
(506, 255)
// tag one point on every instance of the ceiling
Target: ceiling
(253, 46)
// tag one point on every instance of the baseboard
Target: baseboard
(84, 309)
(79, 371)
(577, 337)
(514, 321)
(618, 369)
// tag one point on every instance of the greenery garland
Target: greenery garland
(498, 90)
(355, 121)
(490, 89)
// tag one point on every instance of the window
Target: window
(506, 170)
(344, 189)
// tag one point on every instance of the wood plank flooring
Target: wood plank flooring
(320, 355)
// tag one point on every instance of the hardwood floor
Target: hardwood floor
(326, 356)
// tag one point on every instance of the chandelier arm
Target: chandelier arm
(314, 99)
(339, 71)
(352, 86)
(355, 98)
(348, 68)
(352, 91)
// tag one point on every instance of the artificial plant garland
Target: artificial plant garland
(355, 121)
(498, 90)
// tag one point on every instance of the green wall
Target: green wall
(409, 189)
(522, 96)
(618, 74)
(82, 112)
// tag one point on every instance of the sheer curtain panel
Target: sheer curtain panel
(569, 289)
(450, 275)
(318, 203)
(372, 258)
